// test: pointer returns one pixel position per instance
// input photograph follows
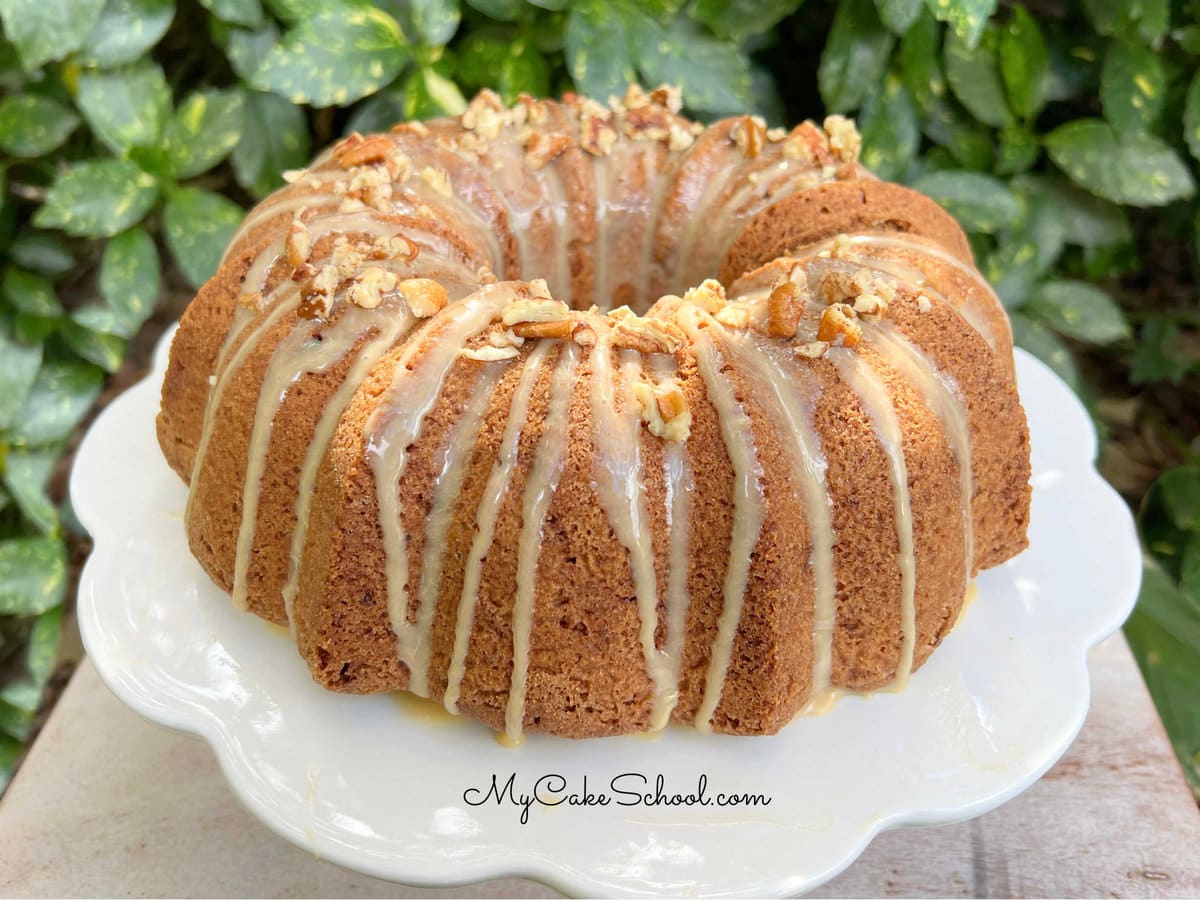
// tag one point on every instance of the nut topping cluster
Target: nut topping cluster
(345, 271)
(665, 409)
(541, 148)
(833, 149)
(750, 135)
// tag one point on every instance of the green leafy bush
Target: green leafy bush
(1063, 136)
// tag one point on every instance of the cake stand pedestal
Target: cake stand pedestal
(107, 804)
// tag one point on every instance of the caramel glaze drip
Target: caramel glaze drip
(494, 195)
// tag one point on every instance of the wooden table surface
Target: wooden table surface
(109, 805)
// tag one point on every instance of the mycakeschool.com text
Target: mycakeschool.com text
(627, 789)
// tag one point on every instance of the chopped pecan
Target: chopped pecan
(669, 96)
(785, 307)
(537, 289)
(809, 143)
(596, 135)
(583, 334)
(709, 295)
(542, 149)
(314, 306)
(316, 293)
(485, 114)
(393, 247)
(357, 150)
(870, 306)
(298, 244)
(369, 286)
(558, 328)
(647, 335)
(844, 139)
(680, 137)
(420, 129)
(635, 97)
(734, 316)
(424, 296)
(664, 410)
(839, 321)
(813, 349)
(651, 123)
(750, 135)
(534, 309)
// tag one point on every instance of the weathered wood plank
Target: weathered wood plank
(109, 805)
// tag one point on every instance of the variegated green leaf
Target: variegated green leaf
(899, 15)
(25, 475)
(96, 346)
(129, 283)
(1046, 346)
(334, 57)
(245, 48)
(98, 198)
(203, 131)
(1086, 221)
(29, 293)
(1133, 85)
(237, 12)
(1024, 64)
(1078, 310)
(967, 17)
(33, 575)
(714, 75)
(1132, 168)
(1164, 632)
(199, 225)
(19, 363)
(739, 19)
(501, 10)
(427, 95)
(38, 251)
(974, 76)
(508, 63)
(32, 125)
(127, 107)
(59, 397)
(10, 752)
(1017, 150)
(890, 130)
(46, 30)
(599, 49)
(274, 139)
(855, 55)
(125, 30)
(433, 22)
(979, 202)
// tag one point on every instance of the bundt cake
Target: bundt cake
(584, 418)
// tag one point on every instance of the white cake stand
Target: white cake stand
(368, 784)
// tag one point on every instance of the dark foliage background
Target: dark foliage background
(1064, 135)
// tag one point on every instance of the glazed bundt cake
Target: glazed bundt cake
(585, 418)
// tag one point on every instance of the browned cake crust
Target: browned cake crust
(715, 512)
(840, 207)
